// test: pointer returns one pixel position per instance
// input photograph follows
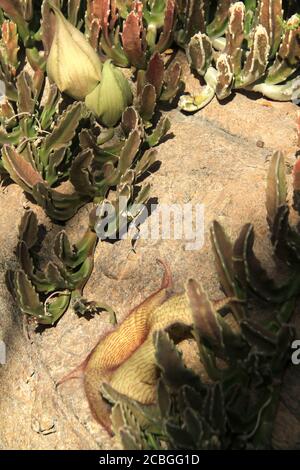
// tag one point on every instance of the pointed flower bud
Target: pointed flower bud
(73, 65)
(111, 97)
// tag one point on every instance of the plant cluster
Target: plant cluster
(44, 294)
(77, 128)
(259, 50)
(244, 361)
(68, 132)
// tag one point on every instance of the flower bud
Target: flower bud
(73, 65)
(111, 97)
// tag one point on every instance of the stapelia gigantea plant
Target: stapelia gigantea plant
(245, 359)
(71, 129)
(135, 34)
(44, 295)
(60, 133)
(70, 134)
(260, 50)
(45, 285)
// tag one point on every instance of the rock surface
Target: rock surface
(217, 157)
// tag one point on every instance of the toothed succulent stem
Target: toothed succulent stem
(259, 49)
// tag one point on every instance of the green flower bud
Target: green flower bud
(73, 65)
(111, 97)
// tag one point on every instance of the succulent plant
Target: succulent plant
(244, 362)
(260, 52)
(45, 293)
(55, 146)
(130, 32)
(235, 409)
(76, 68)
(117, 161)
(72, 63)
(52, 146)
(201, 16)
(60, 141)
(41, 164)
(156, 83)
(111, 97)
(146, 32)
(298, 129)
